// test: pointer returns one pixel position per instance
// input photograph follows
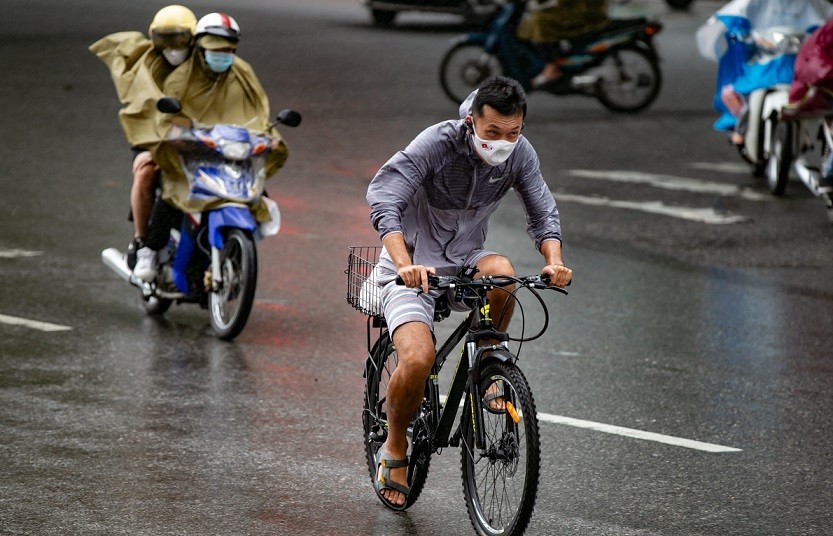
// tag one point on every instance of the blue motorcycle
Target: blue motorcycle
(210, 256)
(618, 65)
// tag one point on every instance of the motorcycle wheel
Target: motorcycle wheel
(156, 306)
(464, 67)
(780, 158)
(629, 80)
(230, 305)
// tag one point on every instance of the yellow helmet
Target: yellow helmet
(172, 27)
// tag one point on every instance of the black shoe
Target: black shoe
(135, 245)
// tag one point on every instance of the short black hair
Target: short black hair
(502, 93)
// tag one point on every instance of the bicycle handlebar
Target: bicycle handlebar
(444, 282)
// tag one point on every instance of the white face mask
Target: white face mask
(175, 56)
(493, 152)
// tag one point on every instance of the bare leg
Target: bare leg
(502, 307)
(142, 192)
(415, 347)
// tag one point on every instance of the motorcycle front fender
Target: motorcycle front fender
(237, 217)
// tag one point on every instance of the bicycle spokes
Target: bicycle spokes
(500, 478)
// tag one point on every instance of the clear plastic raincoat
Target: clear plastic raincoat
(725, 38)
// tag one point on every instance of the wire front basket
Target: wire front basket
(363, 293)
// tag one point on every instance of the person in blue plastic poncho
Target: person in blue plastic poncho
(727, 37)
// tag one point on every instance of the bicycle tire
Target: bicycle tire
(380, 366)
(496, 503)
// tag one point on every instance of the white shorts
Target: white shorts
(401, 304)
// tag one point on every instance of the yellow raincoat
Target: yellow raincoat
(142, 76)
(138, 71)
(567, 19)
(234, 97)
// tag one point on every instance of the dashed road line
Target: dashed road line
(703, 215)
(14, 253)
(670, 182)
(32, 324)
(637, 434)
(738, 168)
(630, 432)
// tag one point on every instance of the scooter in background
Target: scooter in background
(801, 146)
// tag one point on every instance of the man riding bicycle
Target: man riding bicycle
(431, 204)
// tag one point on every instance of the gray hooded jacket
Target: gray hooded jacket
(440, 195)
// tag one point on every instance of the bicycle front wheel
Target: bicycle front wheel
(500, 481)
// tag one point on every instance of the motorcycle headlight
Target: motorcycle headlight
(236, 150)
(779, 40)
(790, 44)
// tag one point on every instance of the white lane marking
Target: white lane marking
(33, 324)
(629, 432)
(12, 253)
(703, 215)
(670, 182)
(637, 434)
(723, 167)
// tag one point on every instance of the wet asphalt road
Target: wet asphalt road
(125, 424)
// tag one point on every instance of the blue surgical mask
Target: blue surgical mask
(219, 62)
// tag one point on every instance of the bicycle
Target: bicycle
(500, 452)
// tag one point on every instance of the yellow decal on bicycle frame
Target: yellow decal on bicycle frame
(473, 422)
(486, 313)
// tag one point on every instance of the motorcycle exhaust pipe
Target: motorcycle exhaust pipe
(114, 259)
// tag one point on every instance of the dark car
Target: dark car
(385, 11)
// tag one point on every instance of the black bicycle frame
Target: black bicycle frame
(444, 416)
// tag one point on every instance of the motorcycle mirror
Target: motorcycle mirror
(169, 105)
(289, 117)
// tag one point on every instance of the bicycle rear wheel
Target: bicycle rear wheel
(500, 481)
(380, 366)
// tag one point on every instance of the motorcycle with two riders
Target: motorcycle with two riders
(210, 258)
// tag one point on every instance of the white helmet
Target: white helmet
(218, 24)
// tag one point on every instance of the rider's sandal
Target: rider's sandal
(493, 401)
(384, 464)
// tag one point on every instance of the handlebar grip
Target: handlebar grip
(433, 280)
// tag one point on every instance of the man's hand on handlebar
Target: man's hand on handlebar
(560, 276)
(416, 275)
